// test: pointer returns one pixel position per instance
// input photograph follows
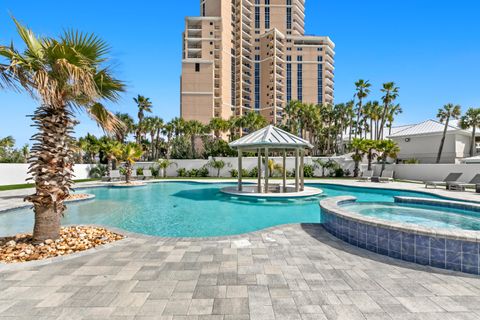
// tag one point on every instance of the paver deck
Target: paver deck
(287, 272)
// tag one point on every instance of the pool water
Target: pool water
(187, 209)
(424, 215)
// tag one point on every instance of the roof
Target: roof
(425, 127)
(270, 137)
(475, 159)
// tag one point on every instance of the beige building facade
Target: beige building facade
(252, 55)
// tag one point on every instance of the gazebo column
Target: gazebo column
(267, 173)
(297, 172)
(259, 167)
(302, 172)
(239, 170)
(284, 171)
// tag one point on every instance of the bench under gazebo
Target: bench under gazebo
(263, 143)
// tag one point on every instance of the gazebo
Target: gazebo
(265, 141)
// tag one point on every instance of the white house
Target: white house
(421, 141)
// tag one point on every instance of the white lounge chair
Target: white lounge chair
(114, 175)
(366, 176)
(147, 174)
(387, 176)
(452, 177)
(459, 186)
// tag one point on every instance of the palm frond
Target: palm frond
(34, 45)
(86, 45)
(105, 119)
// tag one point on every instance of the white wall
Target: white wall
(435, 172)
(16, 173)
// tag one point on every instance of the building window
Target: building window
(289, 2)
(320, 83)
(319, 49)
(289, 17)
(197, 67)
(257, 17)
(299, 49)
(320, 59)
(203, 9)
(289, 81)
(257, 82)
(232, 75)
(267, 14)
(299, 79)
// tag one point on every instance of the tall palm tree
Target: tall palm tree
(253, 121)
(65, 74)
(390, 91)
(394, 111)
(471, 119)
(178, 126)
(129, 126)
(90, 145)
(362, 89)
(449, 111)
(194, 128)
(158, 127)
(218, 126)
(387, 149)
(144, 105)
(168, 131)
(111, 150)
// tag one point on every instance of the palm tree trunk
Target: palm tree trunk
(472, 146)
(51, 166)
(192, 141)
(442, 142)
(128, 172)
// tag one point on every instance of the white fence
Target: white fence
(17, 173)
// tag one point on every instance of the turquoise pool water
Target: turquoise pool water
(187, 209)
(425, 215)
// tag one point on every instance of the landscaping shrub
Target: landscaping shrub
(308, 171)
(234, 173)
(155, 171)
(182, 172)
(98, 171)
(253, 173)
(339, 173)
(139, 171)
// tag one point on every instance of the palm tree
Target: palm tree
(111, 150)
(129, 126)
(358, 145)
(144, 105)
(362, 88)
(193, 128)
(131, 152)
(90, 145)
(449, 111)
(178, 126)
(218, 126)
(390, 91)
(394, 111)
(164, 164)
(387, 149)
(66, 74)
(471, 119)
(168, 130)
(253, 121)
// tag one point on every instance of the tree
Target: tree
(360, 149)
(471, 119)
(144, 105)
(90, 145)
(164, 164)
(168, 130)
(362, 88)
(253, 121)
(387, 149)
(111, 150)
(131, 152)
(390, 91)
(128, 126)
(449, 111)
(218, 126)
(217, 165)
(66, 74)
(194, 128)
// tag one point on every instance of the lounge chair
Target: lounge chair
(113, 176)
(147, 174)
(387, 176)
(366, 176)
(452, 177)
(459, 186)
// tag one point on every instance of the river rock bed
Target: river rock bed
(19, 248)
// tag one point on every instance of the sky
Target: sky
(429, 48)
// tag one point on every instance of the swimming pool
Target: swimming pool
(424, 215)
(188, 209)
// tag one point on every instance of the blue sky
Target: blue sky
(430, 48)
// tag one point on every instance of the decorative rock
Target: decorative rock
(20, 248)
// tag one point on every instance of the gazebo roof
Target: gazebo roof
(270, 137)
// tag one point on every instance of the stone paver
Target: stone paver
(289, 272)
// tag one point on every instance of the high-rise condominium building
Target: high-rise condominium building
(252, 55)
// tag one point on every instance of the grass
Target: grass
(31, 185)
